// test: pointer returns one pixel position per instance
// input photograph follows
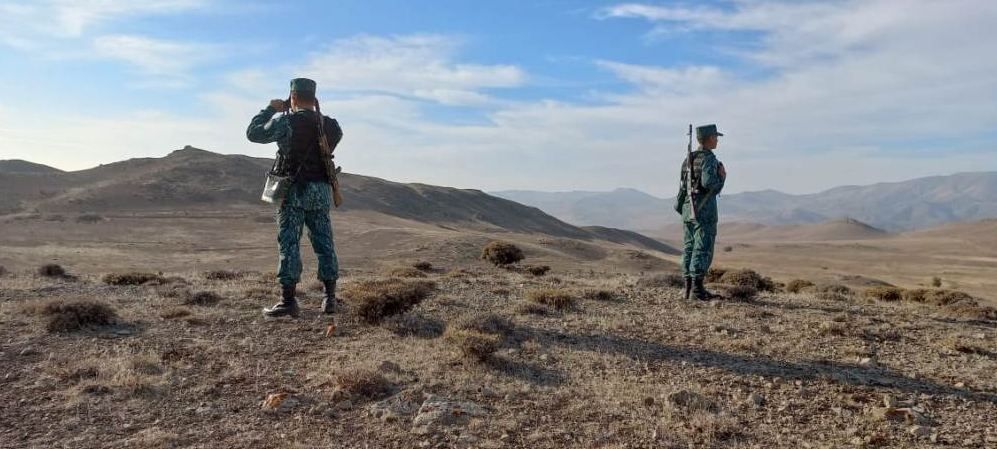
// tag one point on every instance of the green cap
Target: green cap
(302, 85)
(705, 131)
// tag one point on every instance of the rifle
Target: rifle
(690, 184)
(330, 165)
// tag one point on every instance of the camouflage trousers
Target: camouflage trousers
(697, 251)
(307, 206)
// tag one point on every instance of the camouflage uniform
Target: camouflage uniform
(700, 233)
(307, 203)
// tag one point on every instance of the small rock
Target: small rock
(866, 361)
(960, 385)
(439, 412)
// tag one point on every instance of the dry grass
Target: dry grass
(3, 270)
(173, 313)
(374, 300)
(832, 328)
(422, 265)
(714, 275)
(937, 297)
(406, 272)
(671, 280)
(557, 298)
(133, 278)
(478, 337)
(223, 275)
(532, 308)
(835, 288)
(742, 292)
(413, 324)
(598, 294)
(363, 383)
(537, 270)
(502, 253)
(51, 270)
(202, 298)
(747, 278)
(882, 293)
(798, 285)
(76, 315)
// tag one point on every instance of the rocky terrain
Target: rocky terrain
(477, 356)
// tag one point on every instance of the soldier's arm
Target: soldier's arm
(333, 132)
(712, 181)
(262, 129)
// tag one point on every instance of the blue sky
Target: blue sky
(545, 95)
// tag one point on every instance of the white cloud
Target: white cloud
(161, 59)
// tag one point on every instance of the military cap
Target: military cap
(705, 131)
(302, 85)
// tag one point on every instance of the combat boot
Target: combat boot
(288, 306)
(700, 292)
(330, 302)
(688, 288)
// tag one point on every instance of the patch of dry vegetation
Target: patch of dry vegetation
(883, 293)
(223, 275)
(422, 265)
(671, 280)
(413, 324)
(742, 292)
(747, 278)
(3, 270)
(202, 298)
(557, 298)
(537, 270)
(598, 294)
(362, 383)
(373, 300)
(502, 253)
(133, 278)
(407, 272)
(51, 271)
(478, 337)
(532, 308)
(798, 285)
(69, 316)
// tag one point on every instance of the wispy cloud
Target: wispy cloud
(162, 60)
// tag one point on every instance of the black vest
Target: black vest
(304, 157)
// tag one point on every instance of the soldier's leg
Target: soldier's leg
(702, 257)
(290, 221)
(320, 234)
(688, 245)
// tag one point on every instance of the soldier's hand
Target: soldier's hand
(722, 171)
(278, 104)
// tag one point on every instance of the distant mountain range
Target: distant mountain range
(194, 179)
(897, 206)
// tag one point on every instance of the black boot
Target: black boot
(699, 291)
(330, 302)
(688, 288)
(288, 306)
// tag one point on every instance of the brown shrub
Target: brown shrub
(485, 323)
(532, 308)
(363, 383)
(889, 294)
(202, 298)
(473, 344)
(414, 325)
(406, 272)
(502, 253)
(946, 297)
(422, 265)
(797, 285)
(971, 310)
(223, 275)
(374, 300)
(830, 296)
(52, 270)
(89, 218)
(3, 270)
(537, 270)
(747, 278)
(557, 298)
(714, 274)
(598, 294)
(833, 328)
(742, 292)
(728, 249)
(936, 282)
(133, 278)
(671, 280)
(835, 288)
(77, 315)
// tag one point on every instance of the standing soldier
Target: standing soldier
(708, 176)
(308, 199)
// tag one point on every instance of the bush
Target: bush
(202, 299)
(557, 298)
(830, 296)
(52, 271)
(223, 275)
(742, 292)
(598, 294)
(936, 282)
(502, 253)
(889, 294)
(537, 270)
(423, 266)
(89, 218)
(414, 325)
(363, 383)
(728, 249)
(375, 300)
(406, 272)
(478, 337)
(532, 308)
(797, 285)
(133, 278)
(835, 288)
(747, 278)
(662, 281)
(73, 316)
(714, 274)
(3, 270)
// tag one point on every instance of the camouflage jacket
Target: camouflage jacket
(264, 128)
(711, 181)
